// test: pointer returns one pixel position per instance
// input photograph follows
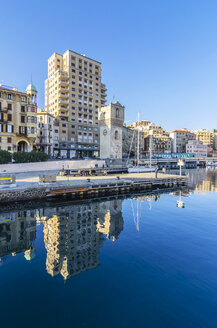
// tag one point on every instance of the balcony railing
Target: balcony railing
(63, 115)
(4, 109)
(21, 134)
(63, 89)
(103, 87)
(62, 82)
(62, 95)
(62, 101)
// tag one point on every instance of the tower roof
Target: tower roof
(31, 87)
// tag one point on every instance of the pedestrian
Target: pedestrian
(156, 170)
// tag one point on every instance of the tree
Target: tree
(5, 157)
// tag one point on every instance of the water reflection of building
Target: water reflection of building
(74, 234)
(203, 180)
(18, 233)
(71, 239)
(110, 220)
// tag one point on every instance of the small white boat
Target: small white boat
(141, 169)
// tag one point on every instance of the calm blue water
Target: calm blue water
(134, 262)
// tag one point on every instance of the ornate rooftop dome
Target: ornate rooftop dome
(31, 87)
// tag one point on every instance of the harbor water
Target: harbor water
(146, 260)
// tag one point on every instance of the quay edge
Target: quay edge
(90, 188)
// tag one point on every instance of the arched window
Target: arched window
(117, 113)
(116, 135)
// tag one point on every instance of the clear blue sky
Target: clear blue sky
(158, 56)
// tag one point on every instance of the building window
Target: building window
(9, 117)
(22, 119)
(23, 109)
(116, 135)
(9, 128)
(9, 96)
(9, 106)
(9, 140)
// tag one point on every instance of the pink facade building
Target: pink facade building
(197, 148)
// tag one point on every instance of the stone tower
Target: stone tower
(111, 119)
(31, 115)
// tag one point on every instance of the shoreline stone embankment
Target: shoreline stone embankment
(29, 188)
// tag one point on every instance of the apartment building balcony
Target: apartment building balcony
(103, 87)
(21, 134)
(4, 109)
(63, 102)
(61, 89)
(63, 96)
(64, 108)
(63, 114)
(4, 120)
(63, 83)
(62, 74)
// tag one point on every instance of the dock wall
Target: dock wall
(89, 189)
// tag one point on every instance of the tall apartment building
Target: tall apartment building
(18, 118)
(180, 139)
(74, 93)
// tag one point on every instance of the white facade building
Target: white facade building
(45, 138)
(197, 148)
(180, 139)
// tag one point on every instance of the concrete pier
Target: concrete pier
(28, 188)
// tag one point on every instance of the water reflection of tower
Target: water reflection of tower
(110, 219)
(72, 240)
(18, 233)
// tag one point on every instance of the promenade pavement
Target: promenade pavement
(28, 181)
